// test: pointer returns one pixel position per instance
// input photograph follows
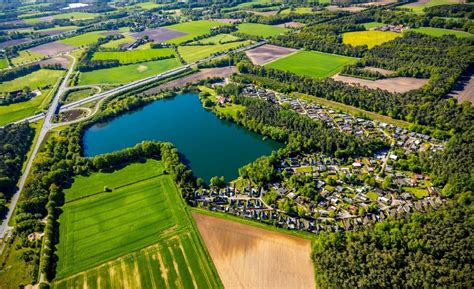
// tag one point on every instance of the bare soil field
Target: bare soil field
(349, 9)
(52, 48)
(12, 42)
(291, 24)
(463, 90)
(396, 84)
(62, 60)
(264, 13)
(159, 34)
(202, 74)
(73, 114)
(266, 53)
(55, 31)
(250, 257)
(379, 70)
(379, 3)
(227, 20)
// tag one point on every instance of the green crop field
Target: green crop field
(419, 7)
(128, 235)
(128, 39)
(261, 30)
(3, 63)
(134, 55)
(76, 15)
(127, 73)
(312, 63)
(220, 38)
(193, 53)
(83, 39)
(371, 25)
(148, 5)
(40, 78)
(193, 28)
(440, 32)
(370, 38)
(26, 56)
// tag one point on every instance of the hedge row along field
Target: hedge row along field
(125, 229)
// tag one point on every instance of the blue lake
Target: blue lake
(211, 146)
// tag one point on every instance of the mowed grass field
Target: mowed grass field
(40, 78)
(139, 235)
(219, 38)
(418, 7)
(193, 28)
(76, 15)
(127, 73)
(194, 53)
(370, 38)
(3, 63)
(297, 10)
(437, 32)
(26, 56)
(311, 63)
(128, 39)
(134, 55)
(261, 30)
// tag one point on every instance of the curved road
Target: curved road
(53, 108)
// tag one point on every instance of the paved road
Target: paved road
(4, 228)
(53, 108)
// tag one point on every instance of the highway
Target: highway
(53, 109)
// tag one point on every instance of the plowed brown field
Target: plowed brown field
(250, 257)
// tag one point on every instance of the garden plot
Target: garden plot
(267, 53)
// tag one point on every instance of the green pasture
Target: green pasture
(3, 63)
(140, 224)
(40, 78)
(261, 30)
(298, 10)
(148, 5)
(430, 3)
(312, 63)
(370, 38)
(371, 25)
(75, 95)
(217, 39)
(26, 56)
(127, 73)
(193, 28)
(83, 39)
(76, 15)
(133, 56)
(194, 53)
(128, 39)
(438, 32)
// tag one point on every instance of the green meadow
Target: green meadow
(26, 56)
(437, 32)
(128, 39)
(217, 39)
(312, 63)
(193, 28)
(297, 10)
(3, 63)
(83, 39)
(133, 56)
(261, 30)
(430, 3)
(194, 53)
(127, 73)
(127, 235)
(39, 78)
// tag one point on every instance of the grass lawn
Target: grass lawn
(261, 30)
(371, 25)
(228, 108)
(430, 3)
(217, 39)
(133, 56)
(131, 231)
(40, 78)
(128, 39)
(3, 63)
(194, 53)
(83, 39)
(370, 38)
(417, 192)
(311, 63)
(74, 95)
(440, 32)
(26, 56)
(193, 28)
(127, 73)
(14, 270)
(76, 15)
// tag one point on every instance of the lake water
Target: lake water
(211, 146)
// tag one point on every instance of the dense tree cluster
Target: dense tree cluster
(15, 141)
(456, 10)
(426, 250)
(10, 74)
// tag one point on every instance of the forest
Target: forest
(15, 142)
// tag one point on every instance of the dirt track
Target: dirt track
(396, 84)
(250, 257)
